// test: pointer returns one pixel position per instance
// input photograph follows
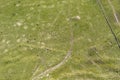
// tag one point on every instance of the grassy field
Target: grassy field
(36, 35)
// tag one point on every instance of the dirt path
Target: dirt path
(59, 64)
(114, 12)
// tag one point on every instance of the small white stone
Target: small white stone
(3, 41)
(41, 77)
(47, 75)
(18, 40)
(6, 50)
(7, 42)
(23, 35)
(25, 27)
(75, 18)
(17, 5)
(42, 43)
(19, 23)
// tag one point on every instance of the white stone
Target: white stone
(75, 18)
(25, 27)
(42, 43)
(18, 40)
(3, 41)
(6, 50)
(7, 42)
(19, 23)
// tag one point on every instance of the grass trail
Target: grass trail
(45, 40)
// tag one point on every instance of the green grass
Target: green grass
(35, 34)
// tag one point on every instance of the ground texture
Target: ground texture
(44, 40)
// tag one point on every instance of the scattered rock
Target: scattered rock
(75, 18)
